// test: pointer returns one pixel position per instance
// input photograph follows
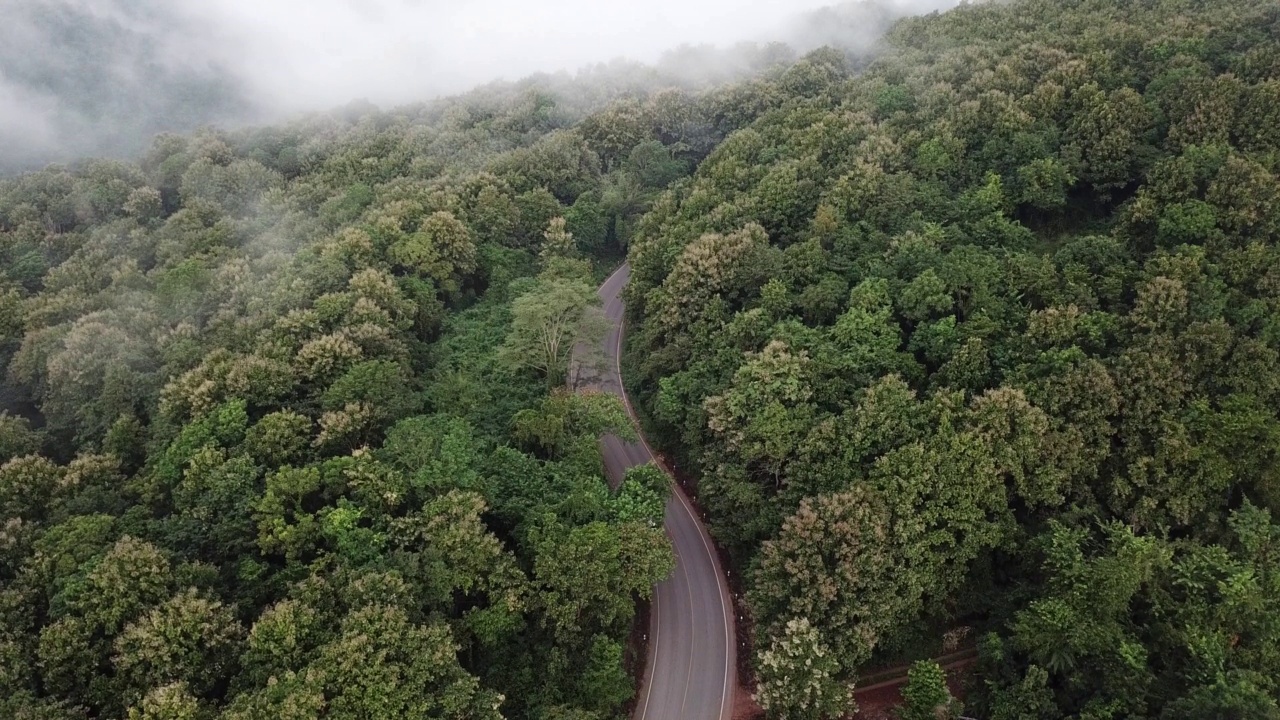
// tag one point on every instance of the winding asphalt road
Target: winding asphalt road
(691, 672)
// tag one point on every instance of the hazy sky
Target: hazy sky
(324, 52)
(94, 76)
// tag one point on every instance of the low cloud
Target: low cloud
(80, 76)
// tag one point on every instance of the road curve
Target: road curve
(691, 671)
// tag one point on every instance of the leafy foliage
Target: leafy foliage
(285, 428)
(981, 334)
(982, 338)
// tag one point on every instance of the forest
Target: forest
(275, 439)
(976, 337)
(984, 340)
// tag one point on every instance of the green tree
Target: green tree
(799, 677)
(652, 164)
(282, 640)
(441, 249)
(1031, 698)
(168, 702)
(189, 639)
(586, 221)
(926, 696)
(604, 685)
(27, 487)
(834, 565)
(383, 666)
(216, 495)
(285, 515)
(93, 609)
(1081, 627)
(1043, 184)
(643, 495)
(17, 438)
(728, 266)
(768, 410)
(537, 208)
(1230, 699)
(383, 385)
(1108, 132)
(279, 438)
(557, 242)
(587, 576)
(457, 555)
(548, 322)
(493, 214)
(568, 424)
(437, 452)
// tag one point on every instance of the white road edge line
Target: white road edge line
(688, 586)
(617, 358)
(657, 628)
(724, 692)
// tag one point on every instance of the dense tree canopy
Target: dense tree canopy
(983, 338)
(284, 428)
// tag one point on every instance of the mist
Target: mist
(84, 77)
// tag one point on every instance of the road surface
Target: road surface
(691, 671)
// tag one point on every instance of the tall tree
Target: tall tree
(548, 322)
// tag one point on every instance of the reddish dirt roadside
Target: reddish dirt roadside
(877, 701)
(881, 692)
(745, 707)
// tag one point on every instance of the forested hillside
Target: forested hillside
(978, 341)
(101, 77)
(280, 435)
(988, 338)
